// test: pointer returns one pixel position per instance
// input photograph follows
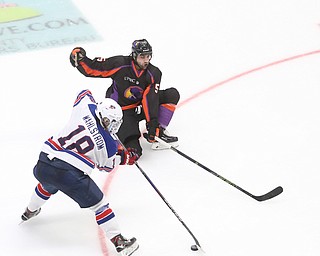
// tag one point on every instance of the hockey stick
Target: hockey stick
(170, 207)
(275, 192)
(193, 247)
(76, 60)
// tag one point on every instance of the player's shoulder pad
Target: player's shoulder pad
(154, 70)
(120, 59)
(83, 94)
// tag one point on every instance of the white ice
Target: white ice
(259, 130)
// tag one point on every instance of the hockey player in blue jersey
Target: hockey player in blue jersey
(87, 142)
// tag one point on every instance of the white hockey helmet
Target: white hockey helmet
(110, 115)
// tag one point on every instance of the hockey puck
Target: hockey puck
(194, 247)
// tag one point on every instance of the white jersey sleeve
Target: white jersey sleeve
(83, 142)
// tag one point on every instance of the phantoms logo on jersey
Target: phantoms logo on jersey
(133, 93)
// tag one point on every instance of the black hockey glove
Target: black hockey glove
(77, 55)
(153, 131)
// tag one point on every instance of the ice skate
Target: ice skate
(29, 214)
(125, 247)
(166, 137)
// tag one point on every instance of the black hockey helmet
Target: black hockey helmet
(141, 46)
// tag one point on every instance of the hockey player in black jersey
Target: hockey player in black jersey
(136, 87)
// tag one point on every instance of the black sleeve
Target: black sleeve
(99, 67)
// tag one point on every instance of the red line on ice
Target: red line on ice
(101, 233)
(214, 86)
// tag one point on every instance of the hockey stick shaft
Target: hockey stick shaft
(76, 60)
(167, 203)
(278, 190)
(164, 199)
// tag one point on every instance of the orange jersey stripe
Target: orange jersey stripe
(170, 106)
(145, 104)
(130, 106)
(94, 72)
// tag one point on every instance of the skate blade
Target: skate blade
(130, 250)
(160, 146)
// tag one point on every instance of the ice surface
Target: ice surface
(260, 130)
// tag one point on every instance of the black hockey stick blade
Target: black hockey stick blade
(277, 191)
